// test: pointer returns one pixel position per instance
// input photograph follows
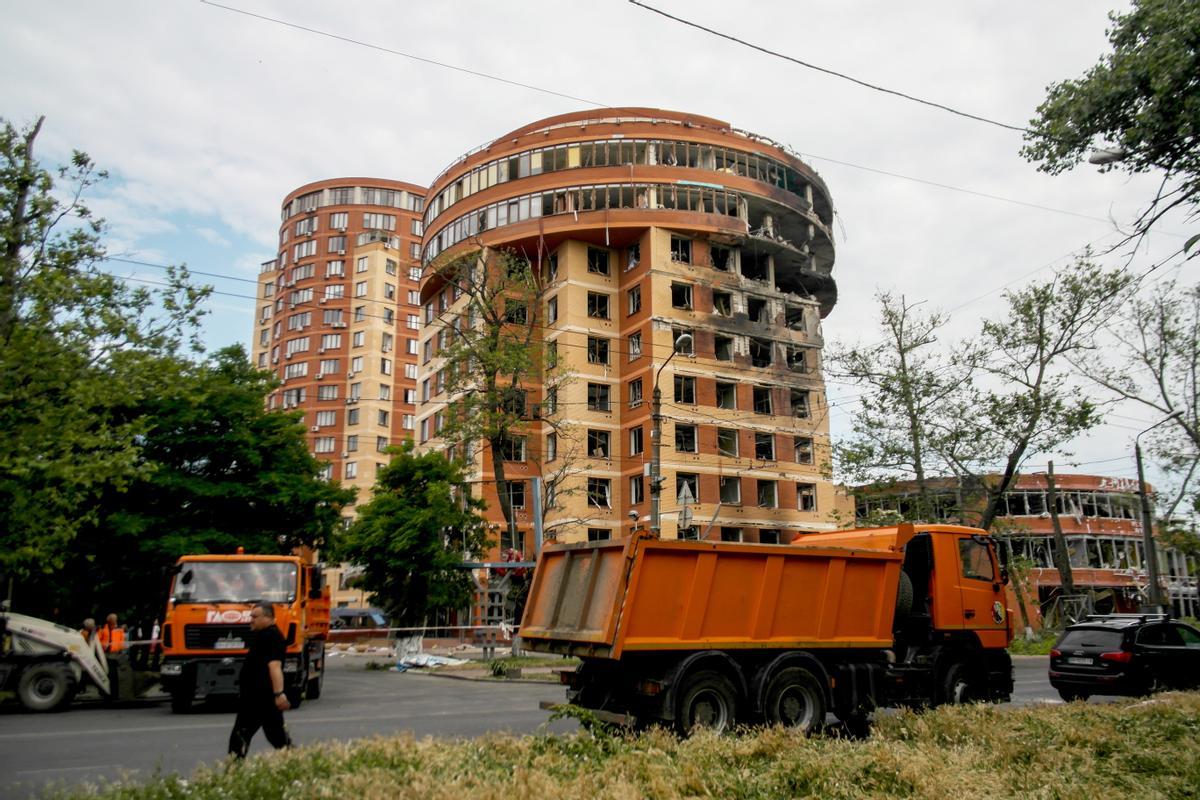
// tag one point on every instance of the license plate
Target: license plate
(229, 644)
(1084, 662)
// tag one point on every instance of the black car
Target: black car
(1125, 654)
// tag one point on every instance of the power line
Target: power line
(390, 51)
(835, 73)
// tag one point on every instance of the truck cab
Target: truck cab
(206, 627)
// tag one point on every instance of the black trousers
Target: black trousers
(255, 714)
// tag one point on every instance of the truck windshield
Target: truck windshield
(235, 582)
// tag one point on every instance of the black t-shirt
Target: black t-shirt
(265, 646)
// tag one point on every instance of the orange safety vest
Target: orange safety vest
(112, 640)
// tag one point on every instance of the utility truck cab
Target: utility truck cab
(206, 628)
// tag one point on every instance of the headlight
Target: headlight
(171, 669)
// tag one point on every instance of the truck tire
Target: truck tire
(182, 696)
(958, 685)
(295, 695)
(904, 595)
(1071, 695)
(314, 685)
(46, 687)
(795, 699)
(707, 700)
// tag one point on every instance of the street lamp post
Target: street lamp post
(1150, 557)
(656, 441)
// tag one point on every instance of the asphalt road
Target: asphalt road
(89, 743)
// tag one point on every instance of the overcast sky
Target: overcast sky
(206, 118)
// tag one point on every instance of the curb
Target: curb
(481, 680)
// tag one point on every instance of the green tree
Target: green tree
(910, 384)
(76, 346)
(1141, 102)
(217, 470)
(414, 535)
(1027, 403)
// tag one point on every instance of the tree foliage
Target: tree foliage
(217, 470)
(76, 347)
(1140, 101)
(414, 535)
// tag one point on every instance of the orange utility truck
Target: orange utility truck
(206, 629)
(691, 633)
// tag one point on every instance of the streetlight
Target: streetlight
(1147, 521)
(656, 441)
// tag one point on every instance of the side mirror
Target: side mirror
(1004, 575)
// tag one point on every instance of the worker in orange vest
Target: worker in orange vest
(88, 630)
(112, 636)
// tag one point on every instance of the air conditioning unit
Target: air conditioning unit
(322, 300)
(351, 374)
(386, 349)
(345, 454)
(275, 360)
(341, 252)
(315, 428)
(352, 400)
(320, 375)
(292, 306)
(339, 324)
(287, 355)
(320, 349)
(342, 229)
(349, 401)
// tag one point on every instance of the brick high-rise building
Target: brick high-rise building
(337, 319)
(647, 225)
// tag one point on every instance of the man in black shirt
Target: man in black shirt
(262, 701)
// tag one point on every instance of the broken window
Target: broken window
(727, 442)
(635, 441)
(516, 493)
(512, 448)
(760, 352)
(635, 346)
(720, 257)
(794, 318)
(635, 393)
(681, 249)
(723, 348)
(726, 395)
(723, 303)
(685, 389)
(731, 489)
(514, 312)
(764, 446)
(768, 494)
(597, 261)
(768, 536)
(806, 496)
(731, 534)
(754, 266)
(804, 450)
(597, 443)
(637, 490)
(685, 438)
(691, 533)
(681, 295)
(691, 481)
(599, 492)
(597, 305)
(633, 299)
(756, 309)
(762, 400)
(597, 396)
(800, 405)
(597, 350)
(635, 253)
(797, 359)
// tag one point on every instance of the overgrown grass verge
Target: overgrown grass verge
(1039, 646)
(1147, 748)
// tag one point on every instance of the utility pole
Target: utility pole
(1148, 554)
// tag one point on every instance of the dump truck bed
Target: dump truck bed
(605, 599)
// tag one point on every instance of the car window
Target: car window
(1160, 636)
(1091, 637)
(1190, 637)
(976, 561)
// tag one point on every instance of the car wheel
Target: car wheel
(708, 700)
(1152, 684)
(794, 699)
(1071, 695)
(958, 685)
(45, 687)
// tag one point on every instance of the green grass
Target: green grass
(1040, 646)
(1147, 749)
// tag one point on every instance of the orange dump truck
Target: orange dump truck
(206, 628)
(693, 633)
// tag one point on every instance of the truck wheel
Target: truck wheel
(708, 700)
(45, 687)
(795, 700)
(181, 698)
(314, 685)
(958, 685)
(904, 595)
